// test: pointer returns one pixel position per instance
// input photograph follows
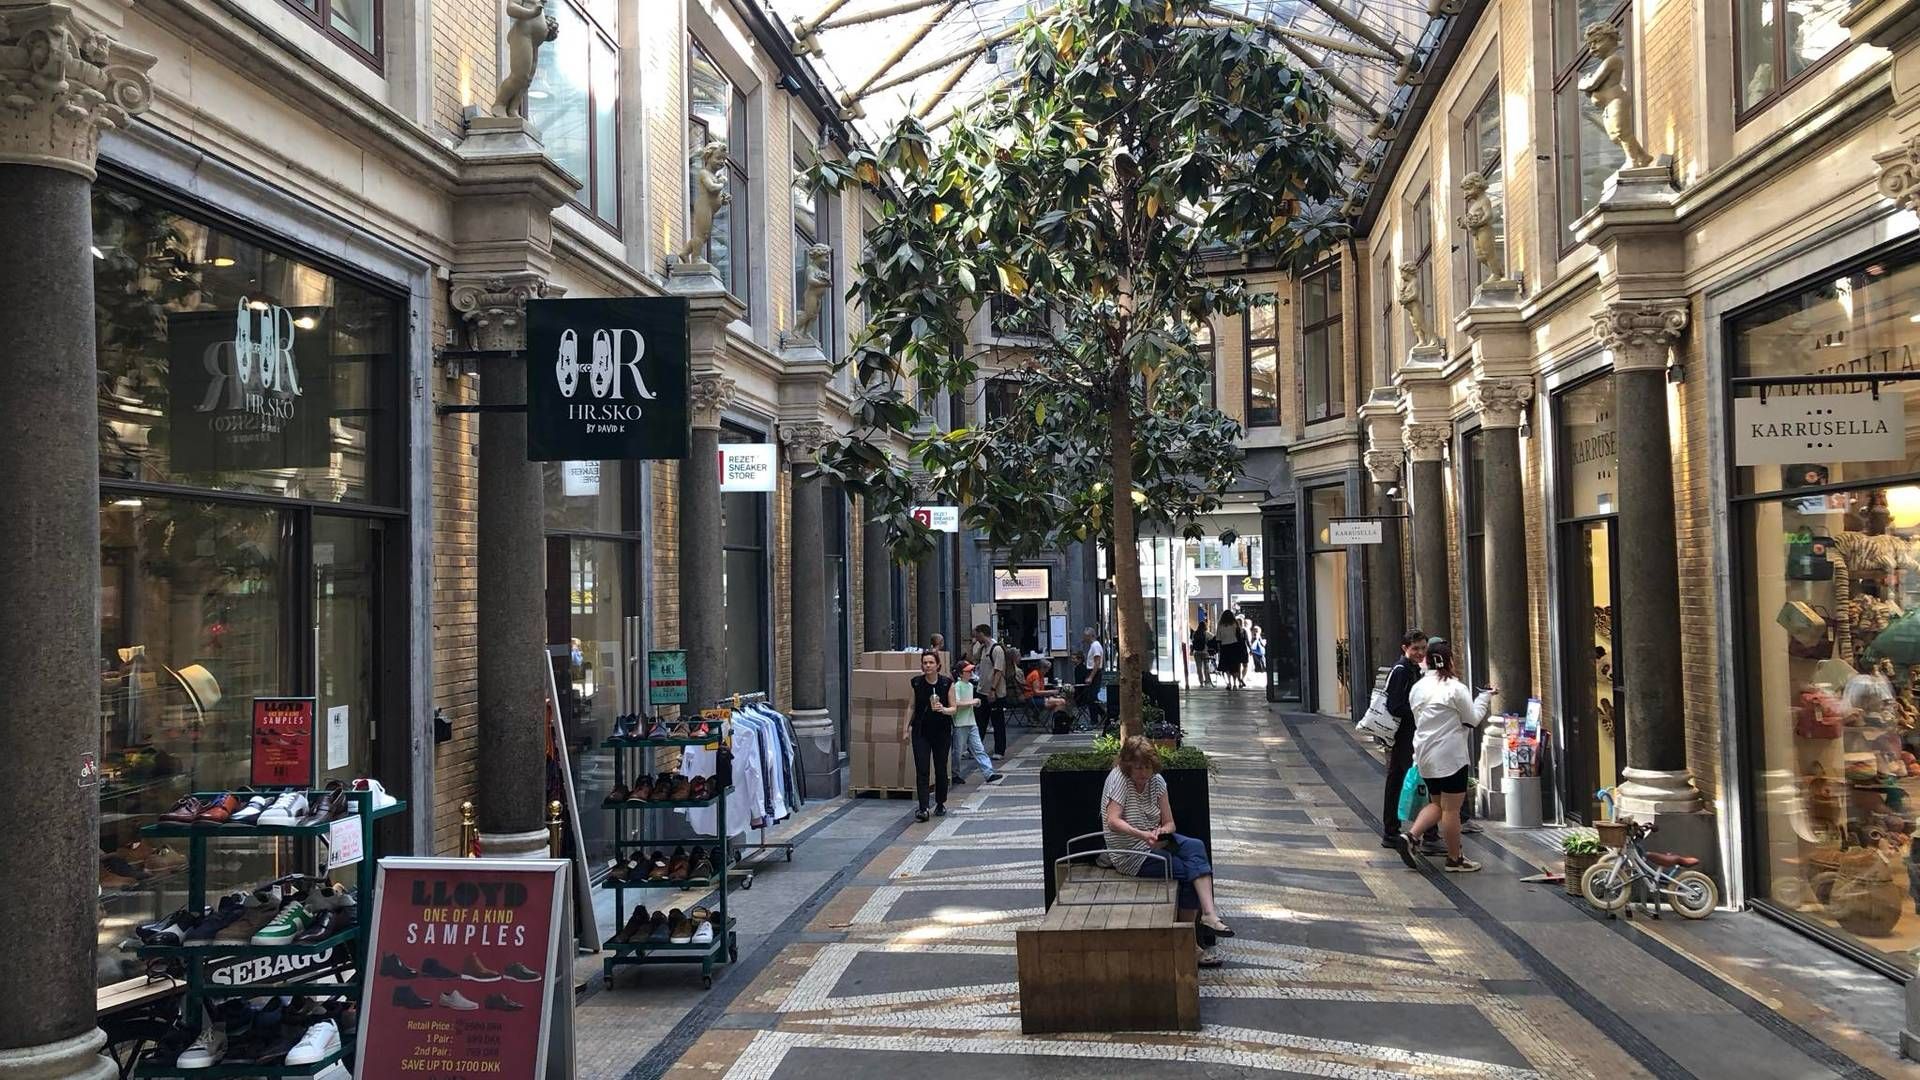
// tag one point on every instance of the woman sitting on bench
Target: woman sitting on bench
(1138, 817)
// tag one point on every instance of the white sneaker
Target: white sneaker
(703, 933)
(321, 1042)
(381, 800)
(208, 1047)
(250, 813)
(454, 999)
(286, 810)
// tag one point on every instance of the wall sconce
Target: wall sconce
(1676, 373)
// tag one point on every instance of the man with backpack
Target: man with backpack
(996, 670)
(1413, 654)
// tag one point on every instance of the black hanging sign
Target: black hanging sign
(607, 378)
(249, 388)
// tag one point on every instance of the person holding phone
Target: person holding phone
(1447, 718)
(1138, 818)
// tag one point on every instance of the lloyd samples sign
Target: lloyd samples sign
(249, 388)
(749, 466)
(607, 379)
(283, 742)
(1342, 533)
(495, 923)
(1787, 429)
(944, 519)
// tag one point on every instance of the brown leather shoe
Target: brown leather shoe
(702, 866)
(475, 971)
(679, 927)
(677, 865)
(700, 790)
(657, 870)
(641, 791)
(219, 810)
(682, 789)
(184, 812)
(617, 795)
(331, 806)
(636, 927)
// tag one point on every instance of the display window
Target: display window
(747, 581)
(1829, 552)
(1327, 593)
(250, 540)
(1588, 538)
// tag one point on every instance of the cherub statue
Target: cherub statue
(530, 28)
(1478, 221)
(1409, 297)
(1606, 87)
(819, 281)
(709, 195)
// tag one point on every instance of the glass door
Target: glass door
(1283, 586)
(1596, 738)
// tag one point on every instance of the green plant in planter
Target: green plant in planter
(1152, 714)
(1581, 843)
(1100, 757)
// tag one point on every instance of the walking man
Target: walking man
(1089, 692)
(996, 667)
(1413, 654)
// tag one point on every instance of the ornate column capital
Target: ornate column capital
(494, 307)
(61, 84)
(1383, 466)
(709, 395)
(1641, 333)
(1426, 441)
(1501, 401)
(1898, 173)
(804, 439)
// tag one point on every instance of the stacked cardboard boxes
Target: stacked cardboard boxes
(880, 754)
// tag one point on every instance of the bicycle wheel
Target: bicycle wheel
(1693, 894)
(1608, 883)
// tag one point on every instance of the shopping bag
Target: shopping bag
(1413, 794)
(1377, 722)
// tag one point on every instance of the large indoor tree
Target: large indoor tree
(1137, 151)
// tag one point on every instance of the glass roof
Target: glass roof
(887, 58)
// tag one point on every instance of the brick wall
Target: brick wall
(455, 603)
(1667, 72)
(465, 59)
(1693, 529)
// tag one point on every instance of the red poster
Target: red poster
(463, 955)
(283, 742)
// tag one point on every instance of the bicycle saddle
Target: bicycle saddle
(1668, 858)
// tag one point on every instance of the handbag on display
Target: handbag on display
(1377, 721)
(1807, 556)
(1804, 624)
(1817, 715)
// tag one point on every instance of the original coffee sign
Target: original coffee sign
(607, 379)
(1788, 429)
(249, 388)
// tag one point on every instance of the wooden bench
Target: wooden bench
(1111, 955)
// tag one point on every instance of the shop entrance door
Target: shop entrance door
(1283, 592)
(1021, 626)
(1596, 736)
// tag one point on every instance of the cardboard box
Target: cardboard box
(908, 660)
(882, 688)
(890, 765)
(883, 725)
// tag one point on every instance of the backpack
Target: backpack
(1007, 674)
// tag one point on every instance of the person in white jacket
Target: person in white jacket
(1446, 717)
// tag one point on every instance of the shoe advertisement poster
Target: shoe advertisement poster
(463, 954)
(283, 733)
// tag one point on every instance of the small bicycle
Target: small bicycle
(1609, 884)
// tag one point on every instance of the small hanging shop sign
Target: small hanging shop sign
(1788, 429)
(1342, 533)
(607, 379)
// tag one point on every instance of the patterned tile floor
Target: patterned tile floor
(901, 962)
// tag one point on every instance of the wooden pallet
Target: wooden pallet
(881, 792)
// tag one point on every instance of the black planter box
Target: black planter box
(1070, 807)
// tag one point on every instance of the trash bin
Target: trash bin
(1522, 801)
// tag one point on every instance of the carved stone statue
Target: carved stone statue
(1606, 87)
(530, 28)
(819, 281)
(1409, 297)
(709, 195)
(1478, 221)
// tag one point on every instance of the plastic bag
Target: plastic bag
(1413, 794)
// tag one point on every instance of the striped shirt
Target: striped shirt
(1140, 809)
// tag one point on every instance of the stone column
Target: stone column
(813, 722)
(1386, 603)
(1640, 334)
(703, 624)
(1432, 605)
(926, 589)
(876, 585)
(50, 124)
(1500, 402)
(512, 635)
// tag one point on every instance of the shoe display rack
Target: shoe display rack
(626, 948)
(197, 958)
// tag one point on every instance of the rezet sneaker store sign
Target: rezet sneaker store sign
(607, 379)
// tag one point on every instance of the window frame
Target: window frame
(739, 281)
(321, 16)
(1420, 223)
(1781, 87)
(1565, 89)
(1471, 132)
(1251, 343)
(1208, 353)
(586, 199)
(1333, 377)
(828, 331)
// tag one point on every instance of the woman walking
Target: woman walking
(1445, 717)
(1233, 650)
(1139, 818)
(932, 728)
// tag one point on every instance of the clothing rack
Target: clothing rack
(740, 868)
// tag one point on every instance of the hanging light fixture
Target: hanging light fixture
(1903, 506)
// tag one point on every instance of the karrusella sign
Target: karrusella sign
(607, 379)
(1791, 429)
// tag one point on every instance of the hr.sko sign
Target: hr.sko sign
(607, 379)
(248, 388)
(1792, 429)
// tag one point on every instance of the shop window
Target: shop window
(1321, 354)
(1383, 292)
(1010, 317)
(1419, 242)
(1200, 340)
(1830, 566)
(747, 582)
(1481, 138)
(1588, 461)
(1769, 61)
(1263, 360)
(718, 110)
(575, 102)
(1327, 602)
(1002, 395)
(1284, 677)
(1583, 155)
(228, 366)
(354, 24)
(813, 223)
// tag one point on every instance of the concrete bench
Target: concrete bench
(1111, 954)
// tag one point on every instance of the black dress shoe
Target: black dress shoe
(503, 1003)
(328, 923)
(391, 967)
(434, 969)
(404, 997)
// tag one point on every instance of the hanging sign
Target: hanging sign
(496, 924)
(1342, 533)
(283, 739)
(249, 388)
(749, 466)
(1031, 584)
(607, 379)
(667, 676)
(1787, 429)
(945, 519)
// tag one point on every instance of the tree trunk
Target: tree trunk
(1126, 566)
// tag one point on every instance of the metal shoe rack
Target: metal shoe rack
(196, 958)
(725, 947)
